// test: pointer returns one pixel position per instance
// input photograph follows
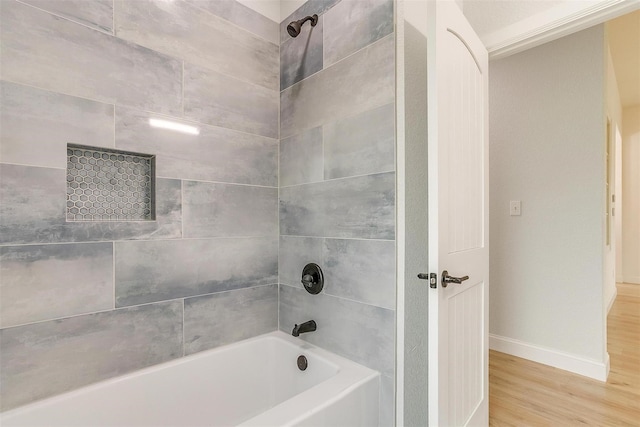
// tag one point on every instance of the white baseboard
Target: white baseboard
(612, 299)
(634, 280)
(546, 356)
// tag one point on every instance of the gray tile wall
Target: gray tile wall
(82, 302)
(337, 181)
(46, 358)
(206, 272)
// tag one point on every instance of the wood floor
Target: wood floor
(524, 393)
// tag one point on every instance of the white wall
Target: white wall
(631, 195)
(614, 114)
(547, 133)
(276, 10)
(287, 7)
(268, 8)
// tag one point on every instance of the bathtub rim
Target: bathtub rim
(348, 377)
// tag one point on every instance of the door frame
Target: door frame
(559, 23)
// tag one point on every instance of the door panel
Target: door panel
(458, 219)
(465, 142)
(465, 329)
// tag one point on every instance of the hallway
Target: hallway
(525, 393)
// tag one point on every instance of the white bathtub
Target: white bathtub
(255, 382)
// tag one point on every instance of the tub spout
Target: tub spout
(308, 326)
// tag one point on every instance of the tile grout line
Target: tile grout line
(177, 239)
(113, 106)
(324, 33)
(182, 204)
(195, 5)
(112, 33)
(364, 239)
(63, 168)
(340, 179)
(97, 27)
(138, 109)
(339, 61)
(182, 100)
(113, 18)
(239, 184)
(169, 239)
(340, 119)
(278, 172)
(183, 339)
(113, 247)
(343, 298)
(109, 310)
(324, 177)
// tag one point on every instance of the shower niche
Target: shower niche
(109, 185)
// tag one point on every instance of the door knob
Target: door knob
(446, 279)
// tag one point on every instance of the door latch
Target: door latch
(432, 277)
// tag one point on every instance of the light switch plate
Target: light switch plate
(514, 208)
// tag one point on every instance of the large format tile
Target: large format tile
(37, 125)
(301, 56)
(221, 210)
(242, 16)
(361, 270)
(352, 25)
(216, 99)
(239, 315)
(361, 144)
(48, 358)
(42, 50)
(43, 282)
(294, 253)
(33, 210)
(361, 207)
(361, 82)
(95, 13)
(309, 7)
(161, 270)
(32, 204)
(216, 154)
(301, 158)
(360, 332)
(183, 31)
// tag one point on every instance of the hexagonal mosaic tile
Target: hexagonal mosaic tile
(109, 185)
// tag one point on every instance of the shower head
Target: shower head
(294, 26)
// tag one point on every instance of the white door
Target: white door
(458, 219)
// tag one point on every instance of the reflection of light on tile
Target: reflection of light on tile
(109, 185)
(178, 127)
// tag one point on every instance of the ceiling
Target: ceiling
(624, 42)
(488, 16)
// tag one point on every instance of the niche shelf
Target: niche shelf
(109, 185)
